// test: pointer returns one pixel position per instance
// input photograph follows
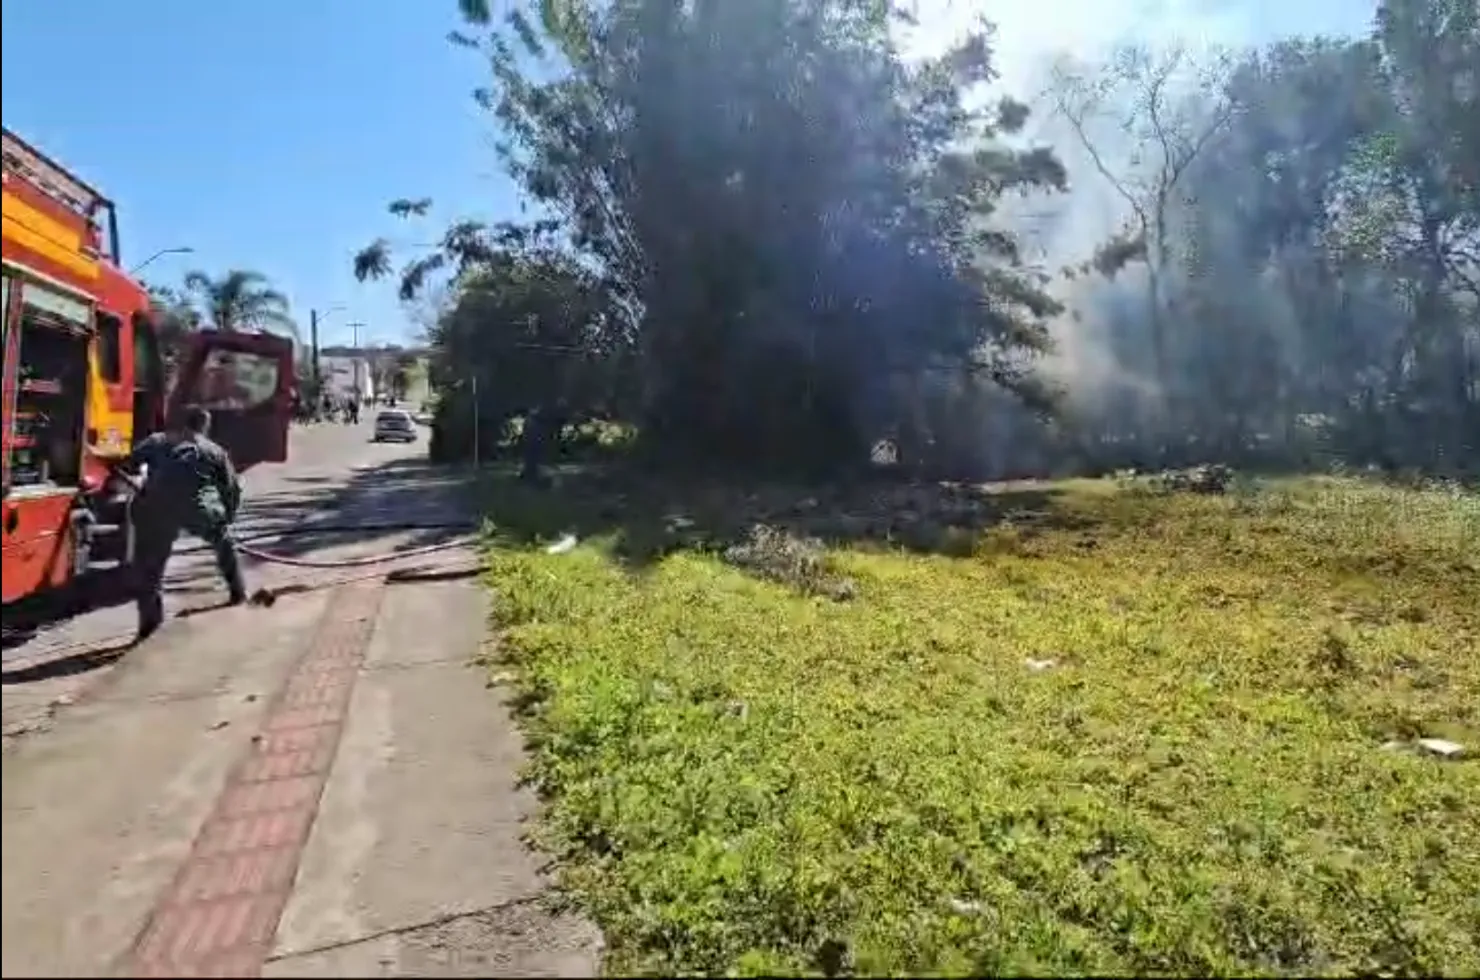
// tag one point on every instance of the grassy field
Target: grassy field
(1082, 727)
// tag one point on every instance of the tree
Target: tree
(241, 300)
(1314, 293)
(1267, 330)
(1171, 107)
(404, 366)
(175, 319)
(391, 367)
(787, 222)
(530, 333)
(767, 239)
(1409, 212)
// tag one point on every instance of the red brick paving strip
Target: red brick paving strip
(220, 915)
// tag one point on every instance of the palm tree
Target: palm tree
(241, 300)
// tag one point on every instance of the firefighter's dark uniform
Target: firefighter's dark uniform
(191, 486)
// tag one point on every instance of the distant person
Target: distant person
(189, 485)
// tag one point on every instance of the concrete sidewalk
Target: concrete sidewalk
(325, 787)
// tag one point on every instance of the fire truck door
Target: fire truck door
(246, 382)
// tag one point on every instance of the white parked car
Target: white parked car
(395, 425)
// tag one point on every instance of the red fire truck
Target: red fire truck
(84, 379)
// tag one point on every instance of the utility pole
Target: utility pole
(314, 316)
(359, 360)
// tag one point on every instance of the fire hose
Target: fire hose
(329, 528)
(462, 541)
(358, 562)
(268, 596)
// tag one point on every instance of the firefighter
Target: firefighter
(190, 485)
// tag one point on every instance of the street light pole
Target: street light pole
(178, 250)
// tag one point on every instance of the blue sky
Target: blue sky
(265, 135)
(269, 135)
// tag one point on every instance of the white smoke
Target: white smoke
(1064, 229)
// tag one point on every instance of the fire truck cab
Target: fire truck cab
(84, 380)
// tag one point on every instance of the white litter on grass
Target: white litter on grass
(1442, 747)
(965, 907)
(567, 543)
(1037, 665)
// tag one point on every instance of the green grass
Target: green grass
(745, 776)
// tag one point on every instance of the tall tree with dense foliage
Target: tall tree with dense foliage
(798, 240)
(1411, 215)
(530, 334)
(175, 319)
(794, 227)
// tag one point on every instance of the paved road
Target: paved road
(325, 787)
